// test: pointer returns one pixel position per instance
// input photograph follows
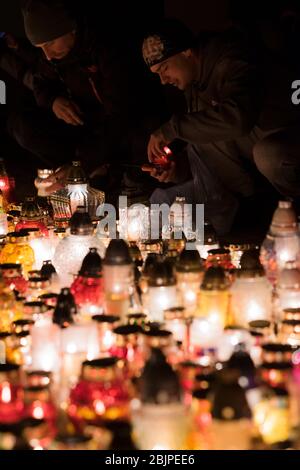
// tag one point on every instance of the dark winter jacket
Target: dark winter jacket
(225, 101)
(94, 75)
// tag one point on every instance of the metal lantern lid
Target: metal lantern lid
(35, 308)
(81, 222)
(65, 309)
(106, 318)
(250, 265)
(214, 279)
(91, 264)
(17, 237)
(284, 221)
(150, 261)
(104, 370)
(47, 269)
(31, 232)
(189, 262)
(117, 254)
(159, 384)
(76, 174)
(162, 274)
(289, 277)
(229, 402)
(30, 210)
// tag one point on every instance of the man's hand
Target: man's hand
(58, 179)
(67, 110)
(156, 144)
(166, 176)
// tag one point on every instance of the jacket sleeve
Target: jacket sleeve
(234, 113)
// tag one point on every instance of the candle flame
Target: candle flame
(6, 393)
(38, 412)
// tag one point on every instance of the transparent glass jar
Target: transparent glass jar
(101, 392)
(18, 251)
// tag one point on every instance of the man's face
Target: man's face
(178, 70)
(58, 48)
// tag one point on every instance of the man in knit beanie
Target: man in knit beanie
(89, 100)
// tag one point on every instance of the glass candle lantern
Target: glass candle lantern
(189, 273)
(20, 349)
(45, 338)
(39, 405)
(77, 187)
(78, 343)
(159, 422)
(150, 246)
(106, 336)
(128, 346)
(75, 246)
(291, 314)
(37, 286)
(134, 222)
(214, 297)
(11, 394)
(8, 308)
(219, 258)
(289, 332)
(175, 320)
(146, 270)
(272, 417)
(288, 287)
(251, 292)
(162, 293)
(160, 427)
(18, 251)
(282, 242)
(157, 338)
(65, 310)
(101, 392)
(87, 288)
(31, 217)
(42, 247)
(205, 333)
(37, 311)
(13, 278)
(231, 424)
(276, 364)
(118, 278)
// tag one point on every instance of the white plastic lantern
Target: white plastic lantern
(288, 287)
(117, 278)
(162, 292)
(282, 243)
(251, 292)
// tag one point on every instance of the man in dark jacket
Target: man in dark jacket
(221, 125)
(86, 97)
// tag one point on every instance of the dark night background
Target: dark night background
(259, 18)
